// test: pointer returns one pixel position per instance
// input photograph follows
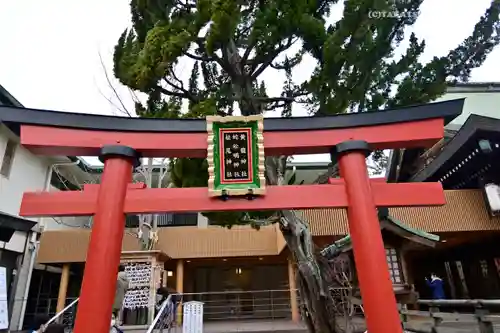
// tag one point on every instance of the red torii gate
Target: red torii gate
(120, 141)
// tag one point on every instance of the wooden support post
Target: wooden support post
(179, 274)
(153, 285)
(63, 288)
(407, 278)
(294, 304)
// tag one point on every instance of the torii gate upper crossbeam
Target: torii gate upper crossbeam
(81, 142)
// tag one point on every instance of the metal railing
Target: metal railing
(479, 320)
(243, 305)
(47, 306)
(167, 220)
(165, 317)
(70, 308)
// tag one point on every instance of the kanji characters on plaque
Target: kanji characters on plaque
(236, 146)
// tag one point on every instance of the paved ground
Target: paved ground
(289, 327)
(420, 325)
(254, 326)
(258, 326)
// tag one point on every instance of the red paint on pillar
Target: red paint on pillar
(103, 255)
(378, 297)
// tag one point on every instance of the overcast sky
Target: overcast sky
(49, 50)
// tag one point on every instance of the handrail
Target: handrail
(244, 304)
(160, 313)
(57, 315)
(481, 316)
(237, 292)
(459, 302)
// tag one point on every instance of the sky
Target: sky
(51, 51)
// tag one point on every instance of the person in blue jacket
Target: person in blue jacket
(437, 286)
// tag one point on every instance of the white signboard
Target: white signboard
(192, 317)
(4, 312)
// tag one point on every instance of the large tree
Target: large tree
(232, 42)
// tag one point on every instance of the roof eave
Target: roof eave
(390, 224)
(12, 116)
(473, 124)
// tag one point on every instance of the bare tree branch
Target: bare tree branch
(134, 95)
(176, 78)
(198, 57)
(172, 93)
(117, 107)
(124, 108)
(249, 49)
(266, 61)
(200, 41)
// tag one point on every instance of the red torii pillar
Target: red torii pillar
(377, 293)
(103, 255)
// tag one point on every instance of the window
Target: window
(8, 158)
(177, 220)
(394, 266)
(166, 220)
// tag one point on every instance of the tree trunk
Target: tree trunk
(314, 276)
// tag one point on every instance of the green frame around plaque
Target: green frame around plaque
(253, 125)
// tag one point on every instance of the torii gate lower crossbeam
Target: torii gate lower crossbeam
(141, 200)
(114, 197)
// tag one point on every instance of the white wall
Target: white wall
(28, 173)
(480, 103)
(67, 222)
